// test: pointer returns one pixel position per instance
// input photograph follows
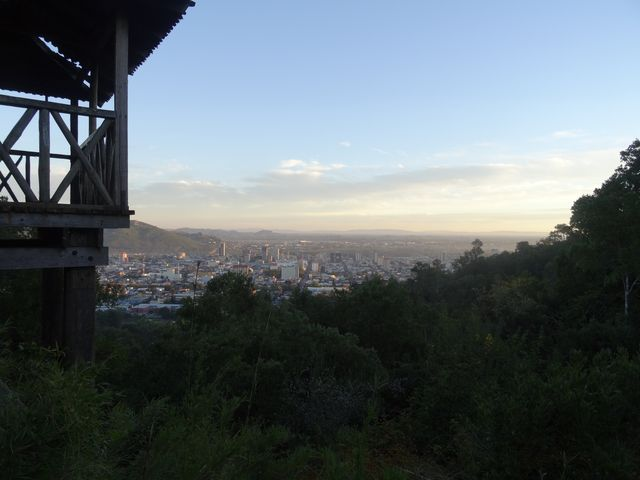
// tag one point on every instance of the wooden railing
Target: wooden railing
(94, 175)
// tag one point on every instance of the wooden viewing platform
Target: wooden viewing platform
(64, 164)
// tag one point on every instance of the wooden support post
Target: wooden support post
(93, 102)
(44, 167)
(79, 312)
(120, 104)
(53, 307)
(90, 195)
(75, 184)
(69, 311)
(69, 298)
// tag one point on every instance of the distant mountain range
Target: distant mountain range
(144, 238)
(290, 234)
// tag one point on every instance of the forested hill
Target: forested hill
(145, 238)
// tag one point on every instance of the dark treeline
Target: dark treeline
(521, 365)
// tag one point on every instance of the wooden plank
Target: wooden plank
(83, 158)
(44, 163)
(61, 220)
(10, 101)
(16, 258)
(24, 186)
(87, 146)
(31, 153)
(64, 208)
(121, 108)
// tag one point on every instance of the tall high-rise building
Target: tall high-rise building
(265, 253)
(222, 249)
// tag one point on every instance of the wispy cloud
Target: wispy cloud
(561, 134)
(311, 168)
(379, 151)
(345, 143)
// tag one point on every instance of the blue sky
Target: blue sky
(415, 114)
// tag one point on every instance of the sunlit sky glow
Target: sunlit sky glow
(370, 114)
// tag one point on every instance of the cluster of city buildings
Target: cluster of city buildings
(157, 284)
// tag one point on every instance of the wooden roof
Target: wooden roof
(82, 33)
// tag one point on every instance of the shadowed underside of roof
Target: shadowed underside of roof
(82, 32)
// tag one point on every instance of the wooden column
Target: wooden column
(69, 298)
(44, 168)
(120, 104)
(53, 307)
(80, 312)
(75, 184)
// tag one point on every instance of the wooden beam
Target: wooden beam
(4, 184)
(59, 219)
(16, 258)
(93, 102)
(11, 101)
(87, 146)
(24, 186)
(74, 195)
(44, 163)
(121, 108)
(97, 182)
(18, 129)
(79, 313)
(4, 181)
(52, 317)
(32, 153)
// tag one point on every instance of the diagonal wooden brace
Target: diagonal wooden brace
(24, 186)
(87, 146)
(86, 164)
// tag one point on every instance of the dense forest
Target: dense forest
(521, 365)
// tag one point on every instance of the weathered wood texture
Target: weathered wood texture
(11, 101)
(19, 258)
(55, 248)
(95, 175)
(68, 321)
(121, 101)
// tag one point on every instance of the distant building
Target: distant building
(240, 268)
(289, 272)
(222, 249)
(265, 253)
(170, 274)
(335, 257)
